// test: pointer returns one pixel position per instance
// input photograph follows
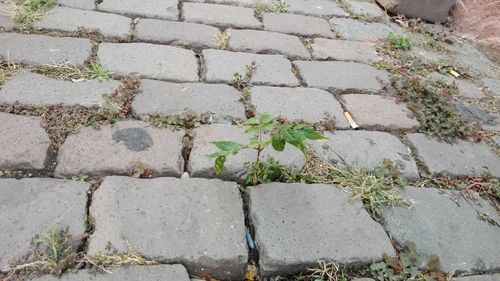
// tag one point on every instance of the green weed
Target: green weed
(277, 6)
(242, 84)
(188, 120)
(97, 71)
(397, 42)
(222, 40)
(29, 11)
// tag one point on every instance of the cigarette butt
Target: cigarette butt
(454, 73)
(350, 120)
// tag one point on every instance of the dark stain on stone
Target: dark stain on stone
(404, 156)
(136, 139)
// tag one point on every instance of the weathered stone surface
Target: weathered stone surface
(320, 222)
(40, 49)
(171, 272)
(6, 12)
(200, 165)
(220, 66)
(443, 223)
(493, 277)
(371, 10)
(69, 19)
(78, 4)
(220, 15)
(25, 142)
(370, 111)
(161, 9)
(31, 207)
(493, 85)
(459, 159)
(246, 3)
(315, 7)
(471, 59)
(266, 42)
(35, 89)
(149, 61)
(193, 35)
(324, 49)
(165, 98)
(306, 104)
(465, 88)
(196, 222)
(476, 114)
(119, 149)
(366, 150)
(297, 25)
(430, 10)
(342, 77)
(351, 29)
(427, 55)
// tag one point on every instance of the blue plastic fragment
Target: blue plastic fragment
(250, 242)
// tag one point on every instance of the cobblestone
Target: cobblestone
(465, 88)
(297, 25)
(220, 15)
(6, 22)
(493, 277)
(161, 9)
(315, 7)
(78, 4)
(368, 9)
(324, 49)
(493, 85)
(350, 29)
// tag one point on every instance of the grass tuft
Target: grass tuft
(7, 70)
(222, 40)
(397, 42)
(277, 6)
(97, 71)
(29, 11)
(65, 71)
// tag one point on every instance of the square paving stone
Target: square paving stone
(196, 222)
(315, 7)
(275, 70)
(305, 104)
(70, 20)
(342, 77)
(25, 142)
(220, 15)
(119, 149)
(351, 29)
(326, 49)
(366, 150)
(78, 4)
(298, 224)
(200, 165)
(297, 25)
(35, 89)
(165, 98)
(32, 207)
(265, 42)
(192, 35)
(370, 111)
(40, 49)
(149, 61)
(443, 223)
(161, 9)
(460, 159)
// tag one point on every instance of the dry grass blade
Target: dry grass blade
(65, 71)
(327, 271)
(7, 70)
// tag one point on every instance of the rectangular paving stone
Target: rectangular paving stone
(25, 142)
(119, 149)
(325, 49)
(305, 104)
(298, 224)
(32, 207)
(351, 29)
(342, 77)
(40, 49)
(315, 7)
(192, 35)
(78, 4)
(165, 98)
(149, 61)
(370, 10)
(70, 20)
(492, 277)
(160, 9)
(265, 42)
(366, 150)
(200, 165)
(196, 222)
(297, 25)
(460, 159)
(220, 67)
(444, 223)
(220, 15)
(35, 89)
(6, 12)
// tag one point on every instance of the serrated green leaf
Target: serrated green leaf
(266, 118)
(311, 134)
(278, 143)
(219, 164)
(252, 130)
(230, 146)
(251, 121)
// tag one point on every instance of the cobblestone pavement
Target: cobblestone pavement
(175, 61)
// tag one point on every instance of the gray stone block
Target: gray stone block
(245, 3)
(430, 10)
(166, 98)
(160, 9)
(325, 49)
(315, 7)
(25, 142)
(368, 9)
(342, 77)
(196, 222)
(220, 67)
(200, 165)
(6, 13)
(70, 20)
(192, 35)
(297, 25)
(35, 89)
(305, 104)
(493, 85)
(118, 149)
(32, 207)
(149, 61)
(370, 111)
(78, 4)
(366, 150)
(351, 29)
(40, 49)
(460, 159)
(493, 277)
(443, 223)
(298, 224)
(220, 15)
(266, 42)
(465, 88)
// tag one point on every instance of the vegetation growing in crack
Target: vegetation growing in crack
(97, 71)
(188, 120)
(222, 40)
(397, 42)
(276, 6)
(29, 11)
(7, 70)
(242, 84)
